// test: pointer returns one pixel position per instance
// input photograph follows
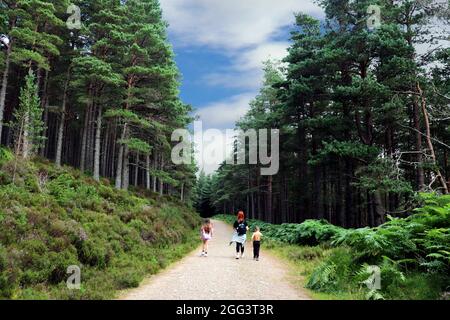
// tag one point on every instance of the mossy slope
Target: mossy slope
(52, 218)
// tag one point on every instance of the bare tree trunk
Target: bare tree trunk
(98, 140)
(420, 177)
(91, 138)
(112, 158)
(126, 169)
(84, 139)
(106, 151)
(62, 122)
(44, 106)
(429, 142)
(119, 167)
(155, 166)
(136, 171)
(182, 192)
(147, 171)
(161, 182)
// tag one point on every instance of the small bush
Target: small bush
(5, 156)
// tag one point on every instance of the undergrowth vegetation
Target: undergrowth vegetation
(52, 218)
(410, 256)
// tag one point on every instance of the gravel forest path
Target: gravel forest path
(220, 276)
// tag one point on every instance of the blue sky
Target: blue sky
(220, 46)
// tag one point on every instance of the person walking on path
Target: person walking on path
(256, 238)
(206, 233)
(240, 234)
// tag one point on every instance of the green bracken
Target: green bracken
(412, 255)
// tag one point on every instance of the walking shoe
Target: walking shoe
(202, 254)
(257, 259)
(242, 256)
(206, 254)
(237, 256)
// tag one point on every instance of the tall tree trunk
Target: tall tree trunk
(84, 139)
(155, 166)
(147, 172)
(98, 140)
(44, 106)
(119, 167)
(113, 146)
(91, 137)
(62, 121)
(136, 171)
(420, 176)
(106, 151)
(126, 168)
(161, 182)
(429, 142)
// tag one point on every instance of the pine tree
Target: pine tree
(28, 125)
(30, 43)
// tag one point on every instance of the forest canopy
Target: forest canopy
(364, 119)
(103, 77)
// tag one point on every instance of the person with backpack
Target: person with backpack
(240, 234)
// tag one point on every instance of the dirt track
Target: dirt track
(220, 276)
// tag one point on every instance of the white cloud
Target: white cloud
(231, 24)
(223, 114)
(243, 30)
(211, 152)
(250, 79)
(253, 58)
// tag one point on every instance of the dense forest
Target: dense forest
(363, 114)
(98, 91)
(89, 101)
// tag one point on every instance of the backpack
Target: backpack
(242, 229)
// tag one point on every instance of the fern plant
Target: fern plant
(323, 278)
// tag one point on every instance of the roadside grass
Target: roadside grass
(338, 271)
(52, 218)
(302, 261)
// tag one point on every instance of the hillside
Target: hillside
(52, 218)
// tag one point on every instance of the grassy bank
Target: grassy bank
(52, 218)
(412, 255)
